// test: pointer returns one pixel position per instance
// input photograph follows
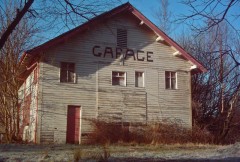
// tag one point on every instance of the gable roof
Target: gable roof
(127, 7)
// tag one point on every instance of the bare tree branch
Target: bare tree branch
(15, 22)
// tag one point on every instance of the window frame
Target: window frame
(125, 78)
(170, 80)
(143, 78)
(74, 73)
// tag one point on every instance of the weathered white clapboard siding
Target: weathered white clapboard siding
(93, 90)
(57, 96)
(29, 87)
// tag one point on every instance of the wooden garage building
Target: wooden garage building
(117, 67)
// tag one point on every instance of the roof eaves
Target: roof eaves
(168, 39)
(122, 8)
(65, 36)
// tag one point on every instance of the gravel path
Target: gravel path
(172, 153)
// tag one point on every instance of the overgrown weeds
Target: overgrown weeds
(102, 155)
(164, 132)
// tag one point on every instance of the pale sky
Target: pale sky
(150, 7)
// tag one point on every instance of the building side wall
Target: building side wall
(28, 94)
(93, 90)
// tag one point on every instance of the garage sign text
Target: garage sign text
(117, 52)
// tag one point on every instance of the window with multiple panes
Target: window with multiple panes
(119, 78)
(171, 80)
(67, 73)
(139, 79)
(122, 38)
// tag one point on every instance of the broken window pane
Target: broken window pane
(119, 78)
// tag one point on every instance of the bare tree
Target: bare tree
(11, 26)
(215, 91)
(54, 12)
(220, 86)
(9, 69)
(205, 14)
(164, 16)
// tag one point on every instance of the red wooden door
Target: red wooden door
(73, 124)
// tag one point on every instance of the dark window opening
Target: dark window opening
(139, 79)
(67, 73)
(171, 80)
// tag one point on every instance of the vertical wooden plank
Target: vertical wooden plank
(77, 124)
(152, 89)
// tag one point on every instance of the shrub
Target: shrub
(201, 136)
(164, 132)
(168, 132)
(106, 132)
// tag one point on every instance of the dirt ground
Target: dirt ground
(182, 153)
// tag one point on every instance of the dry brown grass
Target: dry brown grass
(102, 154)
(165, 132)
